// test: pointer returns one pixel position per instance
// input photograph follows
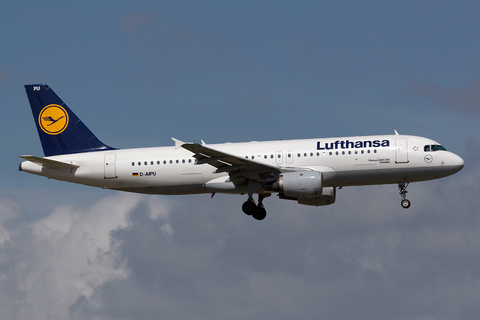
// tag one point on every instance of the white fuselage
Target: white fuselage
(347, 161)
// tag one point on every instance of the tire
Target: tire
(405, 203)
(249, 207)
(260, 213)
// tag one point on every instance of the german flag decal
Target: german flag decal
(135, 174)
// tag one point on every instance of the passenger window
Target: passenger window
(183, 160)
(164, 161)
(133, 164)
(271, 156)
(151, 163)
(145, 163)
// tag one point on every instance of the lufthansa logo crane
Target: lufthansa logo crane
(53, 119)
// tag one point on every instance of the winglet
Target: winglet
(396, 133)
(203, 143)
(178, 143)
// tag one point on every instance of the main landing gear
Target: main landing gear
(257, 211)
(402, 186)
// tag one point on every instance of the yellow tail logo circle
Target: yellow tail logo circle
(53, 119)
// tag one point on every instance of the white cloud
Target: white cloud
(143, 257)
(67, 256)
(8, 210)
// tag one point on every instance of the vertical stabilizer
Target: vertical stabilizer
(60, 130)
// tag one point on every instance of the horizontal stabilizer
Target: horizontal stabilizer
(54, 164)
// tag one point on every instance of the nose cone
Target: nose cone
(456, 163)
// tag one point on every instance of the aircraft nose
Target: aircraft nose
(457, 162)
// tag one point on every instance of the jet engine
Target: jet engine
(304, 186)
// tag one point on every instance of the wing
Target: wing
(239, 169)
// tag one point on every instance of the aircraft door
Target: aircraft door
(289, 157)
(401, 151)
(110, 170)
(279, 157)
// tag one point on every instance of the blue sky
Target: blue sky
(138, 73)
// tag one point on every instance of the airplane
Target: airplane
(308, 171)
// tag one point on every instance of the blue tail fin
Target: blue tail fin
(60, 130)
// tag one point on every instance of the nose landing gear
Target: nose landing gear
(402, 186)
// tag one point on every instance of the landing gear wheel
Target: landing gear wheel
(405, 203)
(402, 186)
(260, 213)
(249, 207)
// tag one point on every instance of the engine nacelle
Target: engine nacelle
(306, 187)
(327, 197)
(301, 184)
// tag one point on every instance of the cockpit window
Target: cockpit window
(435, 147)
(438, 147)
